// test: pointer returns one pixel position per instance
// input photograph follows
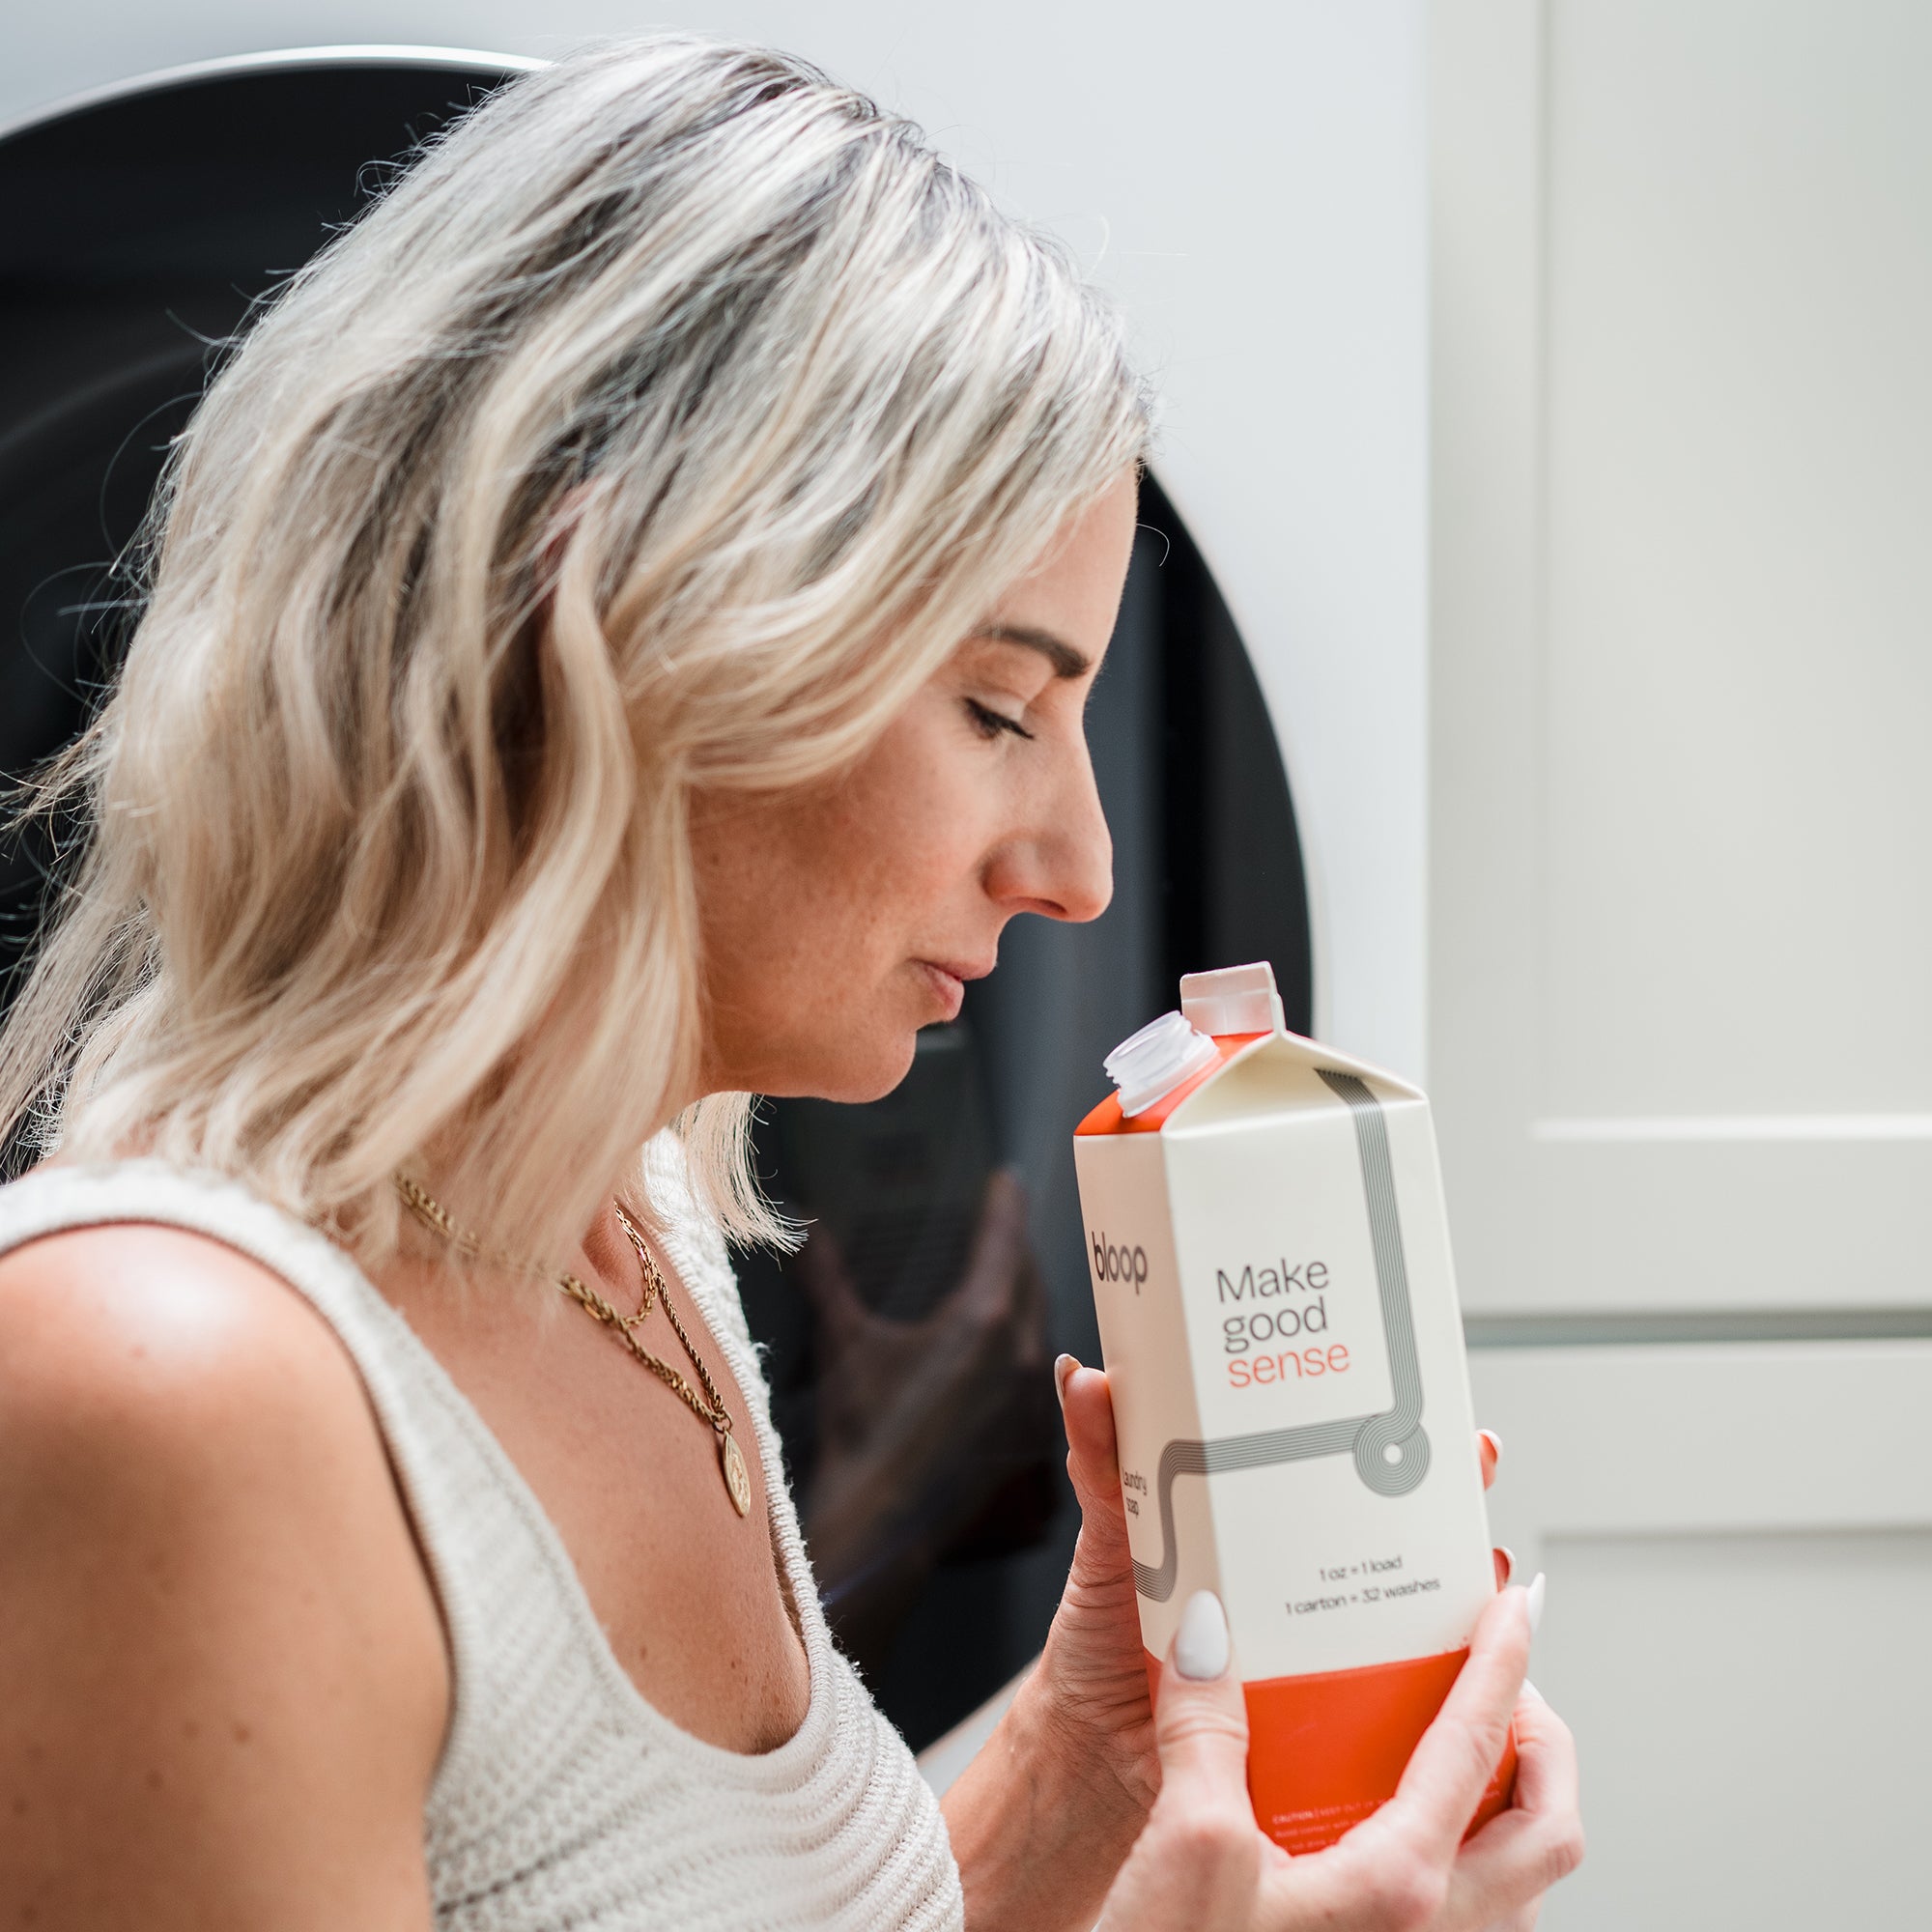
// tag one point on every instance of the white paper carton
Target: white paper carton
(1277, 1309)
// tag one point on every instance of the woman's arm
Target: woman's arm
(222, 1678)
(1039, 1834)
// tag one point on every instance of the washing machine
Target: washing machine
(910, 1341)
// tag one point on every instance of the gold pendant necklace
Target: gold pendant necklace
(730, 1458)
(708, 1407)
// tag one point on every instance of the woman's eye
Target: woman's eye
(990, 723)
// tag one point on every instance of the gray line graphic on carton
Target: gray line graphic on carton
(1391, 1449)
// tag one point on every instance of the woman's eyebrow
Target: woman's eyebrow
(1066, 661)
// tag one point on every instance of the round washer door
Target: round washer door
(910, 1341)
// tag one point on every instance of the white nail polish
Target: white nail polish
(1536, 1603)
(1201, 1643)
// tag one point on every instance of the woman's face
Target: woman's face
(839, 920)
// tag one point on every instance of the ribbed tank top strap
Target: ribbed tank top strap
(501, 1576)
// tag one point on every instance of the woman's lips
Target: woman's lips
(950, 988)
(949, 984)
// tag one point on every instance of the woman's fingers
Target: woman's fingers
(1086, 1405)
(1518, 1921)
(1100, 1581)
(1488, 1453)
(1510, 1863)
(1195, 1865)
(1399, 1861)
(1201, 1867)
(1201, 1722)
(1547, 1754)
(1459, 1751)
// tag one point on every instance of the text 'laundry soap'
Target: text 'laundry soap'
(1277, 1307)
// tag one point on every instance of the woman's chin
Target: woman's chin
(880, 1073)
(862, 1071)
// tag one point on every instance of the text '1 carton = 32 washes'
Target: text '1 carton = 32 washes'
(1278, 1317)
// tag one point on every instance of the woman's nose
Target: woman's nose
(1062, 865)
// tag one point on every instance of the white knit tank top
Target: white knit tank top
(563, 1801)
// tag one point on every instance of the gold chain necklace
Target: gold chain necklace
(708, 1407)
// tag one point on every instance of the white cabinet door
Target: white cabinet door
(1681, 872)
(1739, 1545)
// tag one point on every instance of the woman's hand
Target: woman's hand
(1093, 1669)
(1044, 1818)
(1041, 1819)
(1202, 1866)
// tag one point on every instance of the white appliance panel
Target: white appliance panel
(1252, 184)
(1681, 1048)
(1737, 1541)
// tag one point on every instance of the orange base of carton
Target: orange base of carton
(1326, 1749)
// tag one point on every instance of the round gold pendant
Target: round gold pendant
(737, 1478)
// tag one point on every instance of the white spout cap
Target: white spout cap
(1238, 999)
(1157, 1060)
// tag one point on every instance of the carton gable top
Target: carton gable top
(1279, 1073)
(1256, 1073)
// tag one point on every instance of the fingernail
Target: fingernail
(1495, 1443)
(1062, 1367)
(1505, 1563)
(1529, 1689)
(1201, 1643)
(1536, 1603)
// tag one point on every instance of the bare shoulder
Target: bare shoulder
(142, 1367)
(223, 1681)
(153, 1317)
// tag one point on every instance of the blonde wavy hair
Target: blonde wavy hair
(662, 428)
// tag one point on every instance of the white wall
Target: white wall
(1249, 178)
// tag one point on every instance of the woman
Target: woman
(617, 639)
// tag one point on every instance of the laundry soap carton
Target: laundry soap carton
(1270, 1262)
